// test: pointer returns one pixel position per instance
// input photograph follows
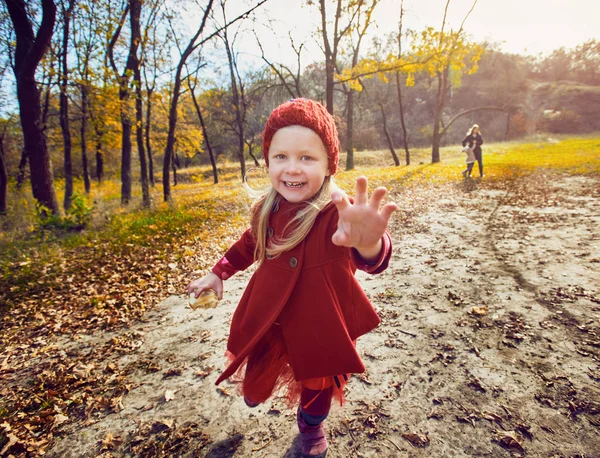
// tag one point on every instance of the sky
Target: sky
(529, 27)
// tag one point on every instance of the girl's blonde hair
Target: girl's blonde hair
(295, 231)
(474, 126)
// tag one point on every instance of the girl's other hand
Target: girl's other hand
(209, 281)
(362, 223)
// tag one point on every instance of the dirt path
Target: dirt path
(489, 346)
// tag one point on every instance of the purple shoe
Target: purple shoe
(314, 442)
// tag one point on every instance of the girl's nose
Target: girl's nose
(293, 167)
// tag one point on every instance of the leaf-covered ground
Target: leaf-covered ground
(489, 343)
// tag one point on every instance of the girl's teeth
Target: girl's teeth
(293, 185)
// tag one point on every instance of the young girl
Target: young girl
(474, 140)
(470, 161)
(298, 320)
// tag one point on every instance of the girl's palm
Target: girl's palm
(362, 223)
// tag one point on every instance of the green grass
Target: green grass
(202, 209)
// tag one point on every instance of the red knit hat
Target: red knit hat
(306, 113)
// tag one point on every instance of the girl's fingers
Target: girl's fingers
(339, 238)
(387, 210)
(377, 197)
(361, 191)
(340, 199)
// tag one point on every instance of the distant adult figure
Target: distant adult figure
(474, 140)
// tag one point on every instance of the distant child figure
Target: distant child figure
(470, 161)
(474, 140)
(298, 320)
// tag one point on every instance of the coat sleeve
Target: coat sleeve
(239, 257)
(377, 265)
(479, 140)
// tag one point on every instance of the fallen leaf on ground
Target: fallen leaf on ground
(420, 440)
(110, 442)
(480, 311)
(510, 439)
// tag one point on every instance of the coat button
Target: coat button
(269, 256)
(293, 262)
(270, 231)
(276, 207)
(300, 215)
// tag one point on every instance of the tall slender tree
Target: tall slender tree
(363, 20)
(30, 49)
(237, 92)
(66, 7)
(399, 88)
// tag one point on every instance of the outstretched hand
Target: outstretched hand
(362, 223)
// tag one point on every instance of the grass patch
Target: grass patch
(206, 215)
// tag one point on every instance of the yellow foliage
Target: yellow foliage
(432, 52)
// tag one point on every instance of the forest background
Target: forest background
(113, 89)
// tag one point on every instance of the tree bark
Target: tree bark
(211, 156)
(3, 179)
(330, 52)
(149, 93)
(402, 122)
(29, 51)
(136, 37)
(168, 157)
(22, 169)
(126, 122)
(192, 45)
(439, 107)
(388, 136)
(399, 87)
(349, 131)
(83, 135)
(64, 107)
(238, 102)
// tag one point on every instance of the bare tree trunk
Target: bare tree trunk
(350, 130)
(83, 135)
(177, 87)
(147, 134)
(99, 161)
(388, 136)
(251, 153)
(439, 106)
(174, 164)
(402, 122)
(168, 157)
(330, 52)
(136, 37)
(126, 122)
(238, 98)
(399, 87)
(64, 107)
(22, 169)
(205, 136)
(29, 51)
(3, 178)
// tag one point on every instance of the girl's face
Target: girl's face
(475, 130)
(298, 163)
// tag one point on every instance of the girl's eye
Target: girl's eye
(306, 158)
(279, 156)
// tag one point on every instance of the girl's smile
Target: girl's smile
(298, 163)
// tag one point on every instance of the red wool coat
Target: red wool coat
(311, 292)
